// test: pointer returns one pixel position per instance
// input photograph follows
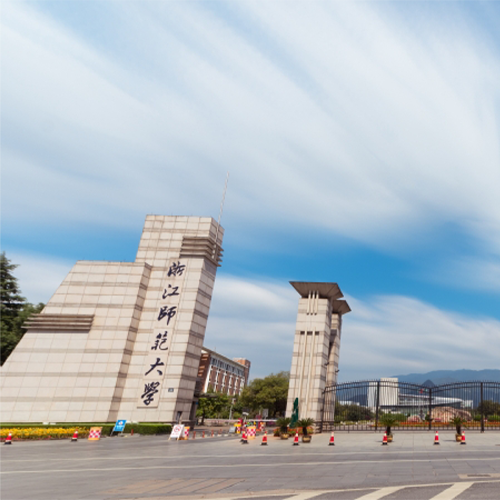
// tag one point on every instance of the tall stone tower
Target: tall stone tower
(120, 339)
(316, 348)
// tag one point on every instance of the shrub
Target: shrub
(283, 423)
(305, 425)
(148, 428)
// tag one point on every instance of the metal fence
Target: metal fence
(370, 404)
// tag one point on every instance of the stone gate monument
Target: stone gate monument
(316, 348)
(120, 339)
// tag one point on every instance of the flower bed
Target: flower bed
(42, 433)
(64, 431)
(292, 431)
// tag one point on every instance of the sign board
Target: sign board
(251, 432)
(177, 431)
(186, 433)
(119, 426)
(265, 413)
(95, 433)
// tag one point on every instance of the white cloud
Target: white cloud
(382, 336)
(38, 275)
(330, 116)
(255, 319)
(404, 335)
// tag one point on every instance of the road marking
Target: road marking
(452, 492)
(375, 495)
(253, 455)
(306, 495)
(177, 457)
(246, 465)
(379, 493)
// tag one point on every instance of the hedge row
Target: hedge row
(147, 428)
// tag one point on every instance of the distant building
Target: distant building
(389, 393)
(221, 374)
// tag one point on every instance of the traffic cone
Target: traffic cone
(212, 434)
(8, 440)
(194, 434)
(203, 434)
(264, 439)
(436, 438)
(296, 439)
(332, 440)
(384, 439)
(244, 439)
(75, 436)
(463, 438)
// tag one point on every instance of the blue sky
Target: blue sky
(362, 141)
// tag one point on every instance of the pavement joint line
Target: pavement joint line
(246, 465)
(177, 457)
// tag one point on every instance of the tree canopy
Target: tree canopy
(15, 310)
(214, 405)
(489, 407)
(270, 392)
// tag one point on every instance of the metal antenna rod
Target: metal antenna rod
(220, 215)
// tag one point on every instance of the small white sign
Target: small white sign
(177, 432)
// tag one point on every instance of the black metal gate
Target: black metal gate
(365, 406)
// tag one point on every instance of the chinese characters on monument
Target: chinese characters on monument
(164, 326)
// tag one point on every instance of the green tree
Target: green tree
(388, 421)
(270, 392)
(14, 309)
(489, 407)
(213, 405)
(352, 413)
(11, 298)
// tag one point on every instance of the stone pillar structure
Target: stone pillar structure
(316, 348)
(120, 339)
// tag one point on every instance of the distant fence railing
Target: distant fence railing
(362, 405)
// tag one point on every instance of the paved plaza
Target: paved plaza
(358, 467)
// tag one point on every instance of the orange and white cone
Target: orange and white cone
(264, 439)
(463, 438)
(436, 438)
(75, 436)
(296, 439)
(244, 439)
(8, 439)
(203, 434)
(384, 439)
(332, 440)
